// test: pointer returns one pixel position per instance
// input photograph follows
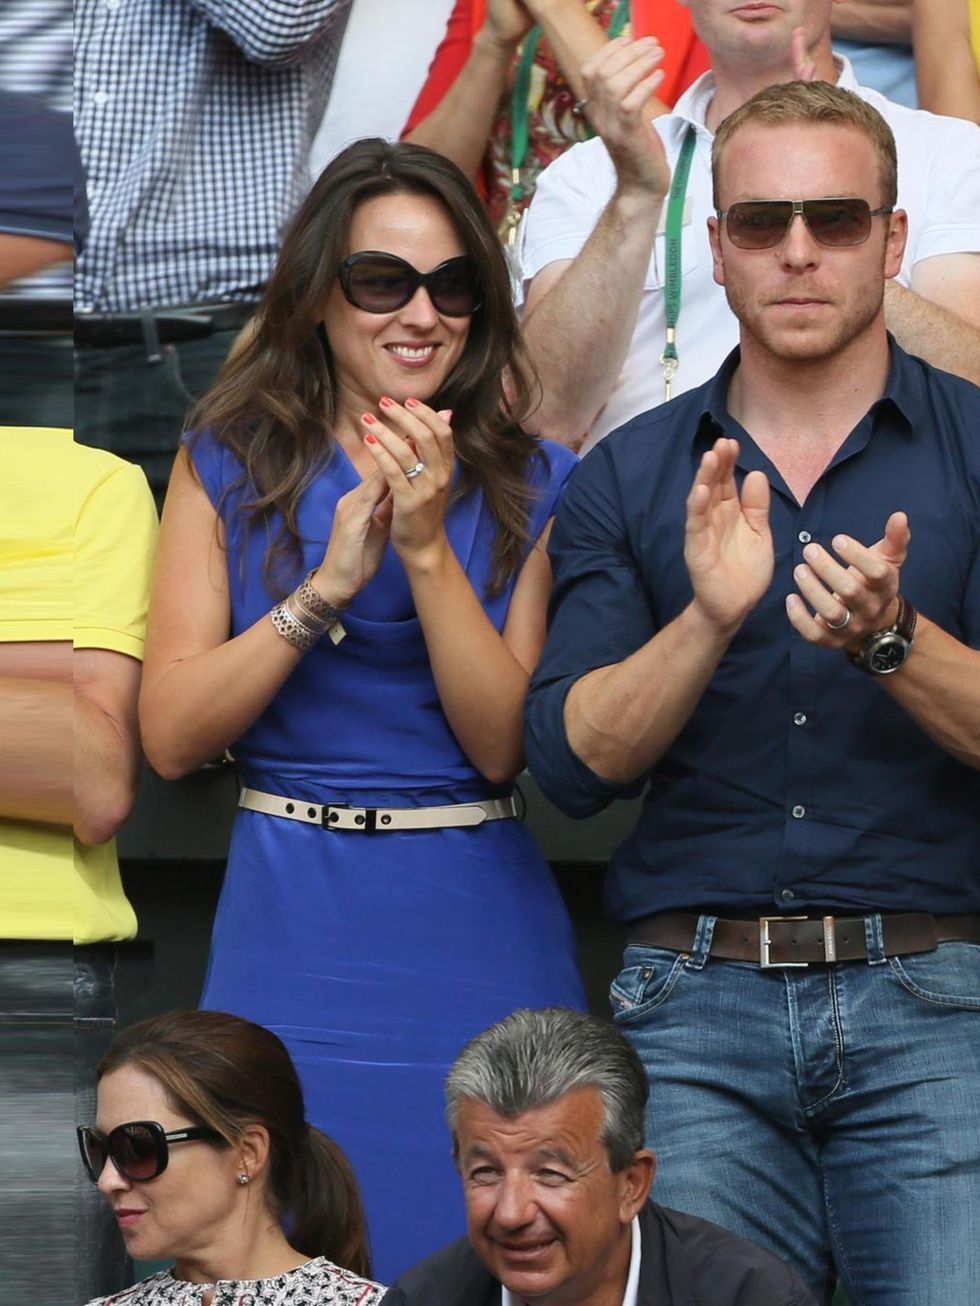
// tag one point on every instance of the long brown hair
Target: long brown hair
(222, 1071)
(274, 402)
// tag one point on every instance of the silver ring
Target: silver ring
(841, 624)
(580, 106)
(419, 468)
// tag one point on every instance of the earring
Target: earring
(244, 1177)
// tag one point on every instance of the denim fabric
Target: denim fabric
(831, 1114)
(136, 407)
(58, 1243)
(36, 381)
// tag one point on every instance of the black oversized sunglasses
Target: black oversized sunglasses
(382, 283)
(139, 1150)
(761, 224)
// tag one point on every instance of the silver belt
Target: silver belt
(368, 820)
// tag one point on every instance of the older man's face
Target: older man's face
(546, 1215)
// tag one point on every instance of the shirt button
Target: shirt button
(804, 537)
(787, 895)
(799, 718)
(799, 811)
(100, 97)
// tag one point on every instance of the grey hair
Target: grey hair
(535, 1057)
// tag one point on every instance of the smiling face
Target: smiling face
(188, 1210)
(410, 352)
(545, 1213)
(801, 300)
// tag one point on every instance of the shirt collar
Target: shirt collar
(632, 1278)
(692, 106)
(903, 393)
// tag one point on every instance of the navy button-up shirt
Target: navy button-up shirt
(797, 783)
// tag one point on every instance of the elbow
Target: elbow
(98, 818)
(564, 425)
(167, 760)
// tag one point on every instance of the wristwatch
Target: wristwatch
(884, 651)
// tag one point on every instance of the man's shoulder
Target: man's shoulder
(920, 127)
(453, 1276)
(726, 1267)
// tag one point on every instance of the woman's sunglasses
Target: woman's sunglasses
(139, 1150)
(383, 283)
(761, 224)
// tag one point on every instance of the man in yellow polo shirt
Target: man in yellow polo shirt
(77, 533)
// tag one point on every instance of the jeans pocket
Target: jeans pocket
(645, 982)
(947, 977)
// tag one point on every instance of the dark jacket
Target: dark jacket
(685, 1262)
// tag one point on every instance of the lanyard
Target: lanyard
(520, 113)
(672, 283)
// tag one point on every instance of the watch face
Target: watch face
(888, 655)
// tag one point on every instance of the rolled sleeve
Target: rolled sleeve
(276, 31)
(599, 615)
(569, 198)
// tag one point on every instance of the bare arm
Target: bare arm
(106, 742)
(946, 71)
(939, 684)
(22, 255)
(620, 719)
(36, 743)
(879, 22)
(481, 676)
(937, 318)
(595, 297)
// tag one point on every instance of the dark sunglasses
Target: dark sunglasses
(139, 1150)
(761, 224)
(382, 283)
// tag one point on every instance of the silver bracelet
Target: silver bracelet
(314, 602)
(292, 630)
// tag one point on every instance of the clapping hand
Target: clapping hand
(619, 80)
(414, 450)
(854, 597)
(728, 545)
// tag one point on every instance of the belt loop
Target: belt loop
(151, 336)
(874, 939)
(702, 942)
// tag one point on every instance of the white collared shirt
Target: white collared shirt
(938, 185)
(632, 1279)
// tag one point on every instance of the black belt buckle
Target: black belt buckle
(365, 818)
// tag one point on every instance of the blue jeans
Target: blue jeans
(831, 1114)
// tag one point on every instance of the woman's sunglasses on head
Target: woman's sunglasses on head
(139, 1150)
(383, 283)
(762, 224)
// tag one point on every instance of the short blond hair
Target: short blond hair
(813, 102)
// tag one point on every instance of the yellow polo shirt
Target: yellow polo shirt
(77, 536)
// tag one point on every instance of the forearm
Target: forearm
(580, 332)
(278, 34)
(621, 719)
(933, 333)
(879, 22)
(946, 73)
(106, 769)
(22, 255)
(939, 686)
(36, 750)
(459, 126)
(481, 685)
(574, 36)
(191, 711)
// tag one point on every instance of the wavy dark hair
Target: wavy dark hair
(225, 1072)
(274, 402)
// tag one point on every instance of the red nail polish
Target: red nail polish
(369, 418)
(386, 402)
(411, 403)
(370, 439)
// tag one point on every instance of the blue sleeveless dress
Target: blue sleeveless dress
(375, 957)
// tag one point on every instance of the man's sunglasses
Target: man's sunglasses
(139, 1150)
(383, 283)
(761, 224)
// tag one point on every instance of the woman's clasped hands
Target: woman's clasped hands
(404, 500)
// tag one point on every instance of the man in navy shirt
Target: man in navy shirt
(787, 651)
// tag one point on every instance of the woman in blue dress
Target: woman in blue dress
(382, 904)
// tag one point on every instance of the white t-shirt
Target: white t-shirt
(938, 186)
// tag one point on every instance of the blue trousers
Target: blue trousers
(831, 1114)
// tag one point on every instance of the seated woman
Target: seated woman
(202, 1149)
(382, 904)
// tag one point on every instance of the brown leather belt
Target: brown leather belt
(803, 940)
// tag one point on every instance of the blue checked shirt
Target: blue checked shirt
(195, 119)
